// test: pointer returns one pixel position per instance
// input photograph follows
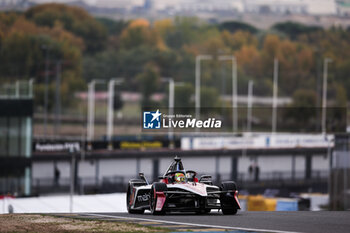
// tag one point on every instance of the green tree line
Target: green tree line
(143, 52)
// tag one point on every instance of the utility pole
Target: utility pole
(274, 100)
(58, 97)
(198, 83)
(171, 107)
(72, 180)
(30, 91)
(249, 105)
(46, 91)
(110, 114)
(234, 90)
(91, 109)
(17, 89)
(324, 95)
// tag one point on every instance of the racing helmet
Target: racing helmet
(179, 177)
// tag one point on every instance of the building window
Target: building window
(14, 136)
(3, 136)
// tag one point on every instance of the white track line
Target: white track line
(192, 224)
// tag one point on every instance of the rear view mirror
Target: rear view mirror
(205, 177)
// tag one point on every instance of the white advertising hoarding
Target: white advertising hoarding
(257, 141)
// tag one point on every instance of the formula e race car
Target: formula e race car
(180, 191)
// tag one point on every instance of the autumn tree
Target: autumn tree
(164, 27)
(26, 47)
(183, 96)
(233, 26)
(73, 19)
(149, 81)
(239, 39)
(293, 30)
(139, 33)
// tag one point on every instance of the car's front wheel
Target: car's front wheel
(227, 200)
(156, 187)
(128, 202)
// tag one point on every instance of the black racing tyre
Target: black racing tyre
(156, 187)
(232, 211)
(227, 200)
(128, 206)
(137, 182)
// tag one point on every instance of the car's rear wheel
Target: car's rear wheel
(128, 204)
(156, 187)
(228, 203)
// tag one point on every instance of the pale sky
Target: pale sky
(62, 1)
(102, 3)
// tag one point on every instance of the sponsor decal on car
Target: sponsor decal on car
(144, 197)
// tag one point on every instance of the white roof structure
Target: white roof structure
(198, 5)
(313, 7)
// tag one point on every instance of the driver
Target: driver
(174, 169)
(179, 177)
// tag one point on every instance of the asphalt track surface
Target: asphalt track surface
(250, 221)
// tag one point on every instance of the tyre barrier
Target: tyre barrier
(261, 203)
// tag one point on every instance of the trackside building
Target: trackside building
(16, 111)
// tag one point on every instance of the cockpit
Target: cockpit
(176, 173)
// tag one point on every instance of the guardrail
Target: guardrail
(85, 185)
(109, 184)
